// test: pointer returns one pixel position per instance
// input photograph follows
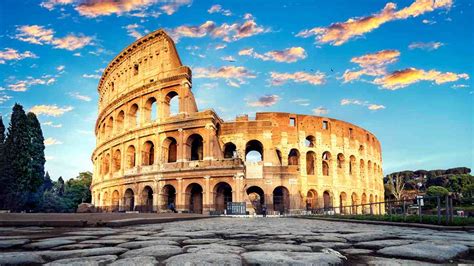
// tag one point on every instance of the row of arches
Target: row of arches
(134, 115)
(353, 205)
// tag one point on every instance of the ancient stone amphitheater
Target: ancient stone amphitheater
(154, 147)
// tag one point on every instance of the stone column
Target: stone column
(180, 195)
(180, 150)
(207, 201)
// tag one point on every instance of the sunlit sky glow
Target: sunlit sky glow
(400, 69)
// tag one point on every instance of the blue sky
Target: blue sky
(401, 69)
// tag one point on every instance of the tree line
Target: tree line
(25, 186)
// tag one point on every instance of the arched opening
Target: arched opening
(223, 195)
(294, 157)
(148, 153)
(172, 103)
(340, 161)
(102, 131)
(105, 202)
(195, 147)
(119, 121)
(369, 169)
(150, 110)
(279, 156)
(170, 150)
(257, 198)
(230, 150)
(147, 199)
(254, 151)
(129, 200)
(327, 200)
(343, 202)
(117, 161)
(115, 201)
(362, 168)
(310, 165)
(311, 199)
(325, 164)
(130, 156)
(106, 162)
(354, 203)
(361, 149)
(310, 141)
(169, 196)
(281, 199)
(133, 116)
(110, 127)
(364, 201)
(352, 161)
(194, 194)
(371, 201)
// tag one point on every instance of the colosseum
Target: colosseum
(156, 150)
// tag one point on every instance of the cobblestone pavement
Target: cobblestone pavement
(236, 241)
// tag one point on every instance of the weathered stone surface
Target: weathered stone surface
(87, 261)
(64, 254)
(171, 238)
(143, 244)
(47, 244)
(378, 244)
(426, 250)
(120, 237)
(381, 261)
(325, 238)
(277, 247)
(321, 245)
(214, 248)
(14, 258)
(77, 246)
(159, 252)
(364, 237)
(204, 259)
(195, 234)
(290, 258)
(105, 242)
(136, 261)
(77, 238)
(200, 241)
(355, 251)
(85, 208)
(92, 233)
(10, 243)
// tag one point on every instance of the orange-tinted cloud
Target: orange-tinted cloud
(24, 85)
(50, 110)
(373, 64)
(172, 6)
(320, 111)
(278, 79)
(402, 78)
(39, 35)
(288, 55)
(265, 101)
(10, 54)
(341, 32)
(95, 8)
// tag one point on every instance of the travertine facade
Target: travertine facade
(149, 155)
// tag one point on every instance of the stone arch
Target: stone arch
(169, 196)
(311, 199)
(194, 198)
(171, 104)
(222, 196)
(254, 151)
(343, 202)
(117, 159)
(310, 162)
(129, 200)
(195, 148)
(354, 202)
(369, 169)
(150, 109)
(326, 163)
(170, 150)
(279, 156)
(364, 201)
(362, 168)
(106, 162)
(133, 116)
(310, 141)
(294, 157)
(119, 121)
(115, 201)
(256, 196)
(110, 127)
(147, 199)
(281, 199)
(352, 162)
(230, 150)
(102, 131)
(340, 161)
(148, 153)
(327, 200)
(131, 154)
(361, 149)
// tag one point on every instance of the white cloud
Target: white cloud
(278, 79)
(51, 141)
(288, 55)
(50, 110)
(40, 35)
(10, 54)
(320, 111)
(429, 46)
(91, 76)
(219, 9)
(370, 106)
(51, 124)
(78, 96)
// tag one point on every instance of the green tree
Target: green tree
(2, 164)
(437, 191)
(77, 190)
(36, 152)
(59, 187)
(18, 161)
(47, 182)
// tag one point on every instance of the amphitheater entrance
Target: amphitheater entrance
(257, 198)
(169, 196)
(311, 199)
(327, 201)
(147, 200)
(194, 198)
(223, 195)
(115, 201)
(129, 200)
(281, 199)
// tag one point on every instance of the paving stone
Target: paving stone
(10, 243)
(321, 245)
(120, 237)
(77, 246)
(143, 244)
(381, 261)
(200, 241)
(325, 238)
(214, 248)
(195, 234)
(77, 238)
(159, 252)
(278, 247)
(196, 259)
(87, 261)
(356, 251)
(105, 242)
(364, 237)
(172, 238)
(93, 233)
(378, 244)
(136, 261)
(289, 258)
(426, 250)
(16, 258)
(65, 254)
(47, 244)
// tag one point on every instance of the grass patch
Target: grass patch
(426, 219)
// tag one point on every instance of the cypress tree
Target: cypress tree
(2, 164)
(60, 186)
(18, 162)
(47, 183)
(36, 153)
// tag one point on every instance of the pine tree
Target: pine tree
(18, 162)
(60, 186)
(47, 183)
(36, 153)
